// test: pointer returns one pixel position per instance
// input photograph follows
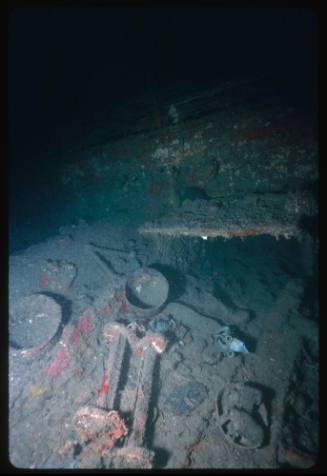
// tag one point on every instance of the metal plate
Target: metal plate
(34, 321)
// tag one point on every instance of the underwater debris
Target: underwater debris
(287, 231)
(34, 322)
(116, 334)
(135, 449)
(163, 324)
(185, 398)
(249, 215)
(227, 344)
(133, 457)
(97, 426)
(57, 275)
(157, 341)
(146, 292)
(243, 416)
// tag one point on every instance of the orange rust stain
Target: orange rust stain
(185, 462)
(250, 231)
(90, 436)
(104, 388)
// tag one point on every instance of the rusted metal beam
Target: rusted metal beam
(203, 232)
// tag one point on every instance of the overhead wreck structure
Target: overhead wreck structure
(234, 159)
(237, 217)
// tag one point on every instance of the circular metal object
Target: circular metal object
(146, 291)
(33, 322)
(236, 423)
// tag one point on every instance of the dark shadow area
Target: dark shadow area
(309, 306)
(161, 458)
(107, 263)
(268, 395)
(123, 377)
(193, 193)
(220, 294)
(310, 351)
(155, 391)
(175, 278)
(252, 314)
(66, 310)
(310, 224)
